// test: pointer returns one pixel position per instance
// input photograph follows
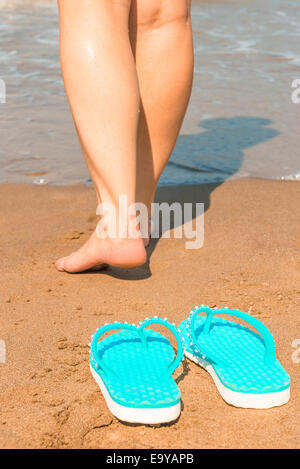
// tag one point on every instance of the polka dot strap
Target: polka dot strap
(140, 331)
(269, 357)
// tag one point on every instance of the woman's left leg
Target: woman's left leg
(162, 42)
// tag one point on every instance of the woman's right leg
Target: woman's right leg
(102, 87)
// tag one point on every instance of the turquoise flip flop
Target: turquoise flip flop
(134, 367)
(241, 362)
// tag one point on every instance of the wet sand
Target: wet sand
(250, 260)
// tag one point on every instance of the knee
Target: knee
(152, 14)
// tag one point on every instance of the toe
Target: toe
(59, 264)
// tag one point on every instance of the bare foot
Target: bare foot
(126, 253)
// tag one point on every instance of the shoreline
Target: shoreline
(241, 116)
(250, 260)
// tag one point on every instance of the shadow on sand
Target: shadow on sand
(212, 155)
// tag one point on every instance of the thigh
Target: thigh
(154, 13)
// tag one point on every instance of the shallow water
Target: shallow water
(241, 120)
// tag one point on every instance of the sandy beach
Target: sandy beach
(237, 152)
(250, 260)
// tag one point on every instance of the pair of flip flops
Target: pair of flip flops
(134, 367)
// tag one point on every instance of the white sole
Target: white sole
(149, 416)
(241, 399)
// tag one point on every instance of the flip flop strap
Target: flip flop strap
(140, 331)
(269, 356)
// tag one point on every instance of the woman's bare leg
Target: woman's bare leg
(102, 87)
(161, 38)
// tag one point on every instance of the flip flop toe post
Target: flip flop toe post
(242, 363)
(133, 368)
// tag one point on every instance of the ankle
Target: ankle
(122, 221)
